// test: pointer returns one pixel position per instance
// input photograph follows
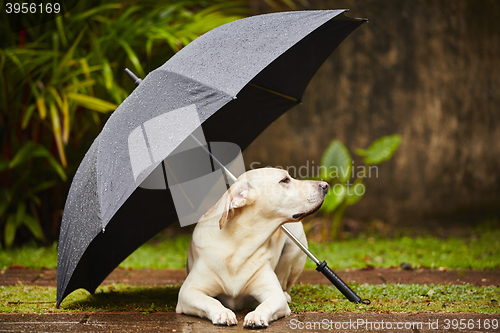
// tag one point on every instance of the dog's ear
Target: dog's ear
(235, 197)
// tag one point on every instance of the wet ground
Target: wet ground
(162, 277)
(307, 322)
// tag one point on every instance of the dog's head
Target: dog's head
(272, 194)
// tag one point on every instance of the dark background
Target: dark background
(427, 70)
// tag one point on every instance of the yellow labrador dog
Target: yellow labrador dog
(238, 252)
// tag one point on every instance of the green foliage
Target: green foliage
(381, 150)
(61, 80)
(479, 250)
(337, 169)
(336, 162)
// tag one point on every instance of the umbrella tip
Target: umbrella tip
(134, 78)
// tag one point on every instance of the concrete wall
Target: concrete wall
(427, 70)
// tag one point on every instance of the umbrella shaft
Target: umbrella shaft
(300, 245)
(228, 173)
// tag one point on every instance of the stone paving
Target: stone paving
(305, 322)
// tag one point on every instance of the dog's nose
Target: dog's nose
(324, 186)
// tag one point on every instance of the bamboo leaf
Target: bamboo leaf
(56, 130)
(4, 165)
(42, 109)
(20, 213)
(16, 61)
(56, 96)
(55, 48)
(96, 10)
(58, 168)
(10, 230)
(69, 55)
(27, 115)
(61, 30)
(43, 186)
(92, 103)
(34, 226)
(132, 56)
(4, 204)
(79, 85)
(66, 119)
(107, 74)
(29, 150)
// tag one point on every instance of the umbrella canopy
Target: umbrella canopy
(233, 82)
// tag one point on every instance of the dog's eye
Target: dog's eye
(285, 180)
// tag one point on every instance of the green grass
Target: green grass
(398, 298)
(481, 250)
(321, 298)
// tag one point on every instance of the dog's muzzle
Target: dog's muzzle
(324, 188)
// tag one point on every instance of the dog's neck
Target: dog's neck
(251, 238)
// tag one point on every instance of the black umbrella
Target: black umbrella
(233, 81)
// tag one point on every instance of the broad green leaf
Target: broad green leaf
(92, 103)
(336, 162)
(380, 150)
(334, 198)
(355, 193)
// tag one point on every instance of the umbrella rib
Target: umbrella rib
(185, 195)
(275, 92)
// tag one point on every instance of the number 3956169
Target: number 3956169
(462, 324)
(32, 8)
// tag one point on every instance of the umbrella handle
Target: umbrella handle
(341, 285)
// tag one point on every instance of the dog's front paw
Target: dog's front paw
(288, 298)
(225, 317)
(255, 319)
